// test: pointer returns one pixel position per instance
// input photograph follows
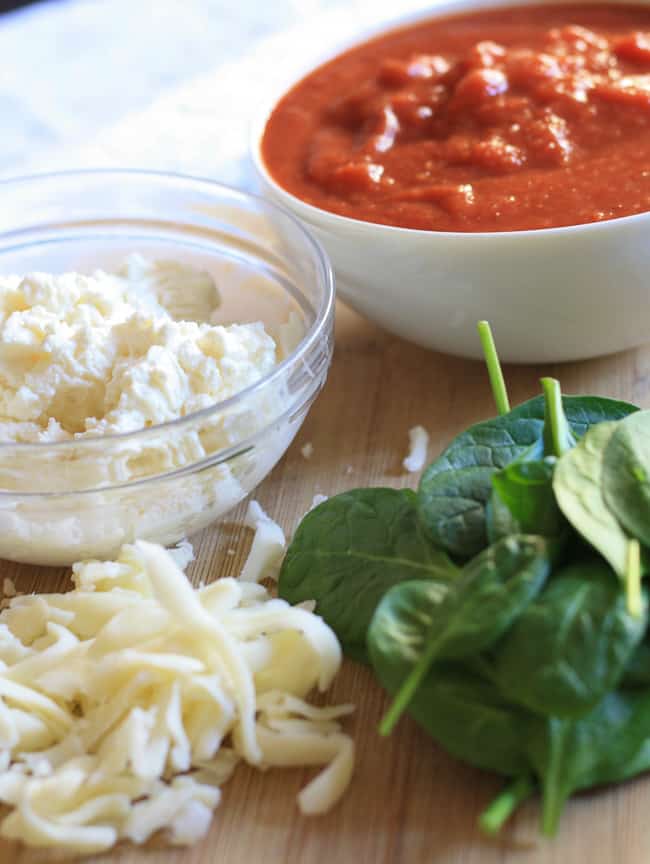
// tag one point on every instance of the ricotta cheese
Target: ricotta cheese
(113, 353)
(94, 365)
(418, 445)
(317, 500)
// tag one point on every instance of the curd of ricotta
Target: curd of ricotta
(114, 353)
(93, 365)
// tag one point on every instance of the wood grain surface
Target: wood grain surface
(409, 803)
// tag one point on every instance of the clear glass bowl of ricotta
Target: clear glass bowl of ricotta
(82, 495)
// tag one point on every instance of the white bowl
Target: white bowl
(551, 294)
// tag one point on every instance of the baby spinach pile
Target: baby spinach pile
(502, 605)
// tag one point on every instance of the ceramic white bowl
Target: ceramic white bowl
(551, 294)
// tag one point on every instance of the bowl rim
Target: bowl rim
(318, 216)
(312, 336)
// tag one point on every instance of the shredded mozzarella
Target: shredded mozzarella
(267, 550)
(418, 444)
(116, 697)
(183, 554)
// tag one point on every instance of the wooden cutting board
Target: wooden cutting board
(409, 803)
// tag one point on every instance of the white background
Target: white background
(159, 84)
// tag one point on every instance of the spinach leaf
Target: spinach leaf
(479, 607)
(469, 718)
(626, 475)
(637, 672)
(525, 487)
(610, 744)
(455, 488)
(499, 521)
(572, 644)
(350, 550)
(454, 704)
(577, 486)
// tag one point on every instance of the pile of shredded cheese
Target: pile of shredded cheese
(127, 702)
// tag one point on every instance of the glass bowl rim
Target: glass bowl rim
(171, 178)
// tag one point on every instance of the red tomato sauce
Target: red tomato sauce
(497, 120)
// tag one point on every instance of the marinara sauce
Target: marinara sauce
(497, 120)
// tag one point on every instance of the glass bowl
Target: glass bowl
(83, 498)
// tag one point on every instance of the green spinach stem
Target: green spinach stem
(494, 367)
(633, 579)
(407, 690)
(557, 433)
(552, 807)
(504, 805)
(555, 791)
